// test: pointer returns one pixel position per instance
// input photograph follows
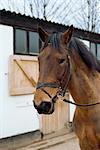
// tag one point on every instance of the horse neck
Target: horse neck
(84, 85)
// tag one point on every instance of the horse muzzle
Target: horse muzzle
(45, 107)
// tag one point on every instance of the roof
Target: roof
(30, 23)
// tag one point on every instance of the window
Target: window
(33, 42)
(93, 48)
(26, 42)
(21, 41)
(98, 51)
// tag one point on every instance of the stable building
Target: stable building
(19, 48)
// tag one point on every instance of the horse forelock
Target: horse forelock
(54, 40)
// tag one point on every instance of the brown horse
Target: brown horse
(65, 62)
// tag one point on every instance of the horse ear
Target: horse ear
(68, 34)
(43, 34)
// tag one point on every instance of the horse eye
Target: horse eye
(61, 61)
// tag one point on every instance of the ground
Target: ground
(63, 142)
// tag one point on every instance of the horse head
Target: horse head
(54, 68)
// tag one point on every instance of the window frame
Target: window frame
(27, 45)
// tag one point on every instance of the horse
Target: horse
(66, 63)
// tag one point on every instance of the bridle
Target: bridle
(61, 91)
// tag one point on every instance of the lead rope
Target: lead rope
(81, 105)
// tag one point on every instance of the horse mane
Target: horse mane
(88, 58)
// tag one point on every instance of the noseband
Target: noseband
(60, 92)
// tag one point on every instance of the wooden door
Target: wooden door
(23, 74)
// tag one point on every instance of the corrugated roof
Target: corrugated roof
(46, 21)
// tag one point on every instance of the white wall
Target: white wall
(17, 114)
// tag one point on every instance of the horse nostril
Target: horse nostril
(45, 106)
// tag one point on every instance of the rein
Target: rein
(61, 92)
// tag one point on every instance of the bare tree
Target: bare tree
(55, 11)
(88, 16)
(35, 6)
(44, 5)
(39, 7)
